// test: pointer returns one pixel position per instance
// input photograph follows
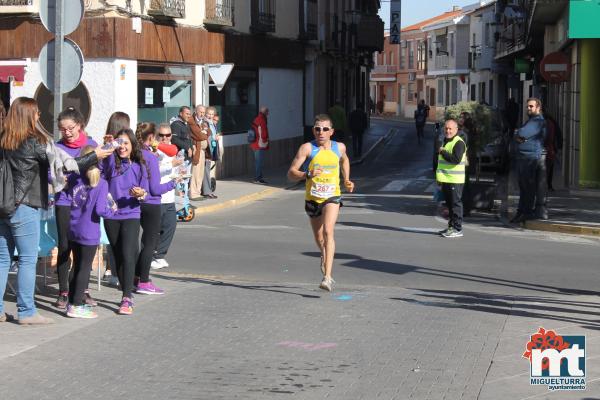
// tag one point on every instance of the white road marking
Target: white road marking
(395, 186)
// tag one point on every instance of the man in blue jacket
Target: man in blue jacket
(530, 162)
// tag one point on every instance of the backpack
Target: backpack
(7, 189)
(420, 116)
(251, 135)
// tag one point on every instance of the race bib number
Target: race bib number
(322, 190)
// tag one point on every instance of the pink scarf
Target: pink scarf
(79, 142)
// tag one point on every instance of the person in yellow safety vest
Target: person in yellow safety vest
(452, 161)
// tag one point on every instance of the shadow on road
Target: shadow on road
(538, 307)
(355, 261)
(216, 282)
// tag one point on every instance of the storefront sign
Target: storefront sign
(583, 19)
(555, 67)
(395, 13)
(149, 96)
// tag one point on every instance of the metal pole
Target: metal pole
(205, 88)
(58, 42)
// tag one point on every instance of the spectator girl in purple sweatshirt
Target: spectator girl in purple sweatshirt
(90, 200)
(150, 208)
(124, 172)
(73, 139)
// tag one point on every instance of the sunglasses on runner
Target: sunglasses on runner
(319, 129)
(165, 134)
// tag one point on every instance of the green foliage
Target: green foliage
(482, 121)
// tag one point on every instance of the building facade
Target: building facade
(150, 58)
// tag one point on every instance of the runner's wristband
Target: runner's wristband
(308, 175)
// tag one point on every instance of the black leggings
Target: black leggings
(151, 218)
(83, 257)
(63, 218)
(123, 235)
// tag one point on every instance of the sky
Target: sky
(414, 11)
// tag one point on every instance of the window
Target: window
(482, 92)
(440, 91)
(473, 92)
(451, 45)
(454, 91)
(421, 55)
(411, 92)
(384, 55)
(237, 103)
(162, 90)
(430, 48)
(491, 93)
(432, 97)
(402, 58)
(391, 58)
(411, 56)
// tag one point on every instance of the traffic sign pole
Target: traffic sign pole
(58, 49)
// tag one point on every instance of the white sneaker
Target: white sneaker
(162, 262)
(156, 265)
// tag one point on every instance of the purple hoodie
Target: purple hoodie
(63, 198)
(88, 204)
(153, 186)
(119, 184)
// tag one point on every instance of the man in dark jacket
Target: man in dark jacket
(421, 114)
(530, 162)
(182, 135)
(358, 124)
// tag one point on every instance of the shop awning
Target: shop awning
(16, 71)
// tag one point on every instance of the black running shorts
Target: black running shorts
(315, 210)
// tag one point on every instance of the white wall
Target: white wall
(108, 92)
(281, 91)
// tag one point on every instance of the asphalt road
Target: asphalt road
(413, 316)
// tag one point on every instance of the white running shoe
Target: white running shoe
(162, 262)
(156, 265)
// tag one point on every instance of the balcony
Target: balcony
(510, 40)
(263, 16)
(19, 6)
(441, 61)
(309, 18)
(384, 69)
(219, 12)
(167, 8)
(370, 33)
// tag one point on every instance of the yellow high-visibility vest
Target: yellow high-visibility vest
(448, 172)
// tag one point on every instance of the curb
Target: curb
(563, 228)
(237, 202)
(368, 152)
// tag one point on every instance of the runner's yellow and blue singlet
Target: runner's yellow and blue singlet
(327, 185)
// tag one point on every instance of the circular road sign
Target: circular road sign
(71, 66)
(72, 15)
(555, 67)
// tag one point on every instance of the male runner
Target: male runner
(319, 163)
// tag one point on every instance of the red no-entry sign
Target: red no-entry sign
(555, 67)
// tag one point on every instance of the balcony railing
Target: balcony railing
(167, 8)
(385, 69)
(263, 16)
(309, 19)
(511, 39)
(219, 12)
(18, 6)
(441, 61)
